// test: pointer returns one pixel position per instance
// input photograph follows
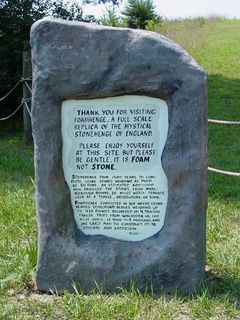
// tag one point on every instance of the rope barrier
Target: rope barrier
(23, 102)
(26, 106)
(15, 86)
(26, 79)
(236, 123)
(9, 92)
(27, 100)
(225, 173)
(218, 171)
(12, 114)
(27, 85)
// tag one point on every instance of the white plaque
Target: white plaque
(112, 150)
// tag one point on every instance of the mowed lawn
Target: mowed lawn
(215, 44)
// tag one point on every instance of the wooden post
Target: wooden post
(27, 72)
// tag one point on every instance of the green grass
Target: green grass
(215, 44)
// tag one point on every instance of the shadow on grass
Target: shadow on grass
(224, 140)
(216, 290)
(222, 284)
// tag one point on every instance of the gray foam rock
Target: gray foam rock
(77, 60)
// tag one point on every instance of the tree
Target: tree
(140, 13)
(110, 17)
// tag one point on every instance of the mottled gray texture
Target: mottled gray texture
(77, 60)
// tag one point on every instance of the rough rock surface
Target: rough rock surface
(77, 60)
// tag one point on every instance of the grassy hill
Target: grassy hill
(215, 44)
